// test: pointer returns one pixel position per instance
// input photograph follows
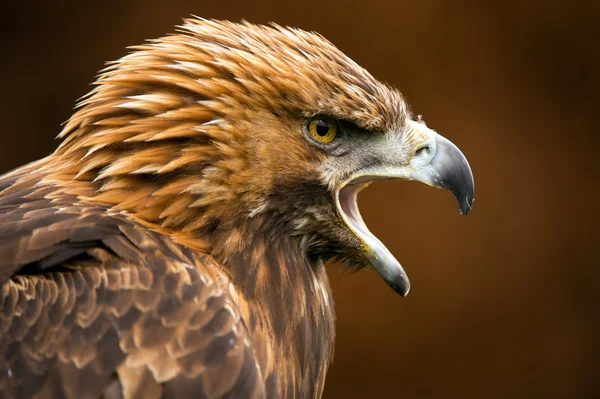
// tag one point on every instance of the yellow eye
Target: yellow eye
(322, 128)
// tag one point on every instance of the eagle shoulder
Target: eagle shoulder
(93, 304)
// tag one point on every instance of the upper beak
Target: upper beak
(436, 162)
(449, 169)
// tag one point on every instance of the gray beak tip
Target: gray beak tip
(454, 173)
(466, 206)
(401, 286)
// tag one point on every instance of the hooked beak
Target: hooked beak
(436, 162)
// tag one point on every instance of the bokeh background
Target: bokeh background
(505, 302)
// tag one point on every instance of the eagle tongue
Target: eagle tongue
(380, 257)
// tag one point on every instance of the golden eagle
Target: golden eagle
(174, 244)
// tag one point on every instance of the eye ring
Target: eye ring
(322, 128)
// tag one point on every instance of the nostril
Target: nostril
(423, 151)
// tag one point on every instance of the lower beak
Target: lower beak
(442, 165)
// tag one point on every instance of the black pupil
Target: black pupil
(322, 127)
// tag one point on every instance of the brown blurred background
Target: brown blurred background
(504, 302)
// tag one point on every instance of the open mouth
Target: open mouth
(445, 167)
(379, 256)
(348, 205)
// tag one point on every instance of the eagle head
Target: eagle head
(225, 131)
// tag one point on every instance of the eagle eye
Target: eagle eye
(322, 128)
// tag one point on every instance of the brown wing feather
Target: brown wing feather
(92, 304)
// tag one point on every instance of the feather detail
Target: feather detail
(173, 244)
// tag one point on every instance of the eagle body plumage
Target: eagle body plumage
(96, 305)
(174, 244)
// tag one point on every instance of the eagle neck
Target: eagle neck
(291, 307)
